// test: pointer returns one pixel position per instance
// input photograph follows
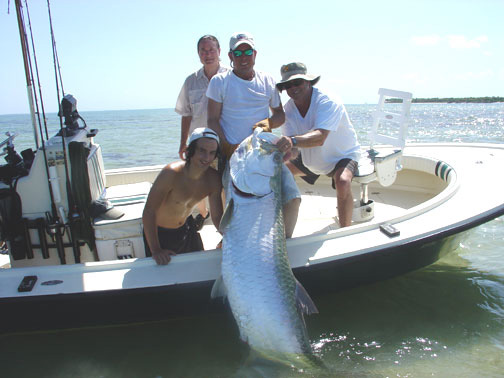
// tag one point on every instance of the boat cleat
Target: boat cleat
(363, 213)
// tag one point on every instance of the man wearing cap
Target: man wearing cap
(239, 101)
(192, 102)
(169, 227)
(320, 128)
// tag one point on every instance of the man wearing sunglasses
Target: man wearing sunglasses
(320, 128)
(239, 101)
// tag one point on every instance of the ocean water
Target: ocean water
(446, 320)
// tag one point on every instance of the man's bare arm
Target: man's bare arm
(185, 124)
(277, 118)
(214, 114)
(312, 138)
(213, 120)
(215, 200)
(155, 199)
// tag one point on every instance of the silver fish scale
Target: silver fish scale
(257, 275)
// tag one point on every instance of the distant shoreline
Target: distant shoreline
(449, 100)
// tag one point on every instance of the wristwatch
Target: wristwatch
(294, 141)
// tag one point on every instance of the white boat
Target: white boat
(415, 204)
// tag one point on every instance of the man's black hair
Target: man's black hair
(191, 150)
(208, 37)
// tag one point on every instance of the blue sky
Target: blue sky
(136, 54)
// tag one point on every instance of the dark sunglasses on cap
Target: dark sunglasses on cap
(293, 83)
(238, 53)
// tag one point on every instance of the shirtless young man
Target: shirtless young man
(168, 225)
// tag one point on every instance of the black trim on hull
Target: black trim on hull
(388, 262)
(374, 266)
(106, 307)
(164, 302)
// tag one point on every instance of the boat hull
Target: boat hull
(113, 307)
(443, 205)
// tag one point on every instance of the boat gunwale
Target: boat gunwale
(213, 256)
(384, 249)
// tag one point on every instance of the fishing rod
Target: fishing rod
(68, 109)
(55, 221)
(62, 133)
(27, 63)
(38, 78)
(52, 219)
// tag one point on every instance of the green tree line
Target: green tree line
(451, 100)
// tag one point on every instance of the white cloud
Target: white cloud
(461, 42)
(426, 40)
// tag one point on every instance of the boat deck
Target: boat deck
(318, 210)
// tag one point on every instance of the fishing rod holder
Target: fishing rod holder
(12, 157)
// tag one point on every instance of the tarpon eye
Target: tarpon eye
(277, 158)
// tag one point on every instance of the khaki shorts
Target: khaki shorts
(311, 177)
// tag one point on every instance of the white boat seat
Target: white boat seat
(128, 193)
(382, 164)
(123, 197)
(122, 237)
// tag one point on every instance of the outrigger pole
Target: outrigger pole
(29, 87)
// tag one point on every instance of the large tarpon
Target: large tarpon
(266, 300)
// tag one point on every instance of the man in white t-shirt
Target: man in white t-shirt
(320, 128)
(240, 100)
(192, 102)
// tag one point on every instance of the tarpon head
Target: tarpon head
(256, 160)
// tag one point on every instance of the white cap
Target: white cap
(203, 132)
(240, 38)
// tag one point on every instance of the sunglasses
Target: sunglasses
(238, 53)
(293, 83)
